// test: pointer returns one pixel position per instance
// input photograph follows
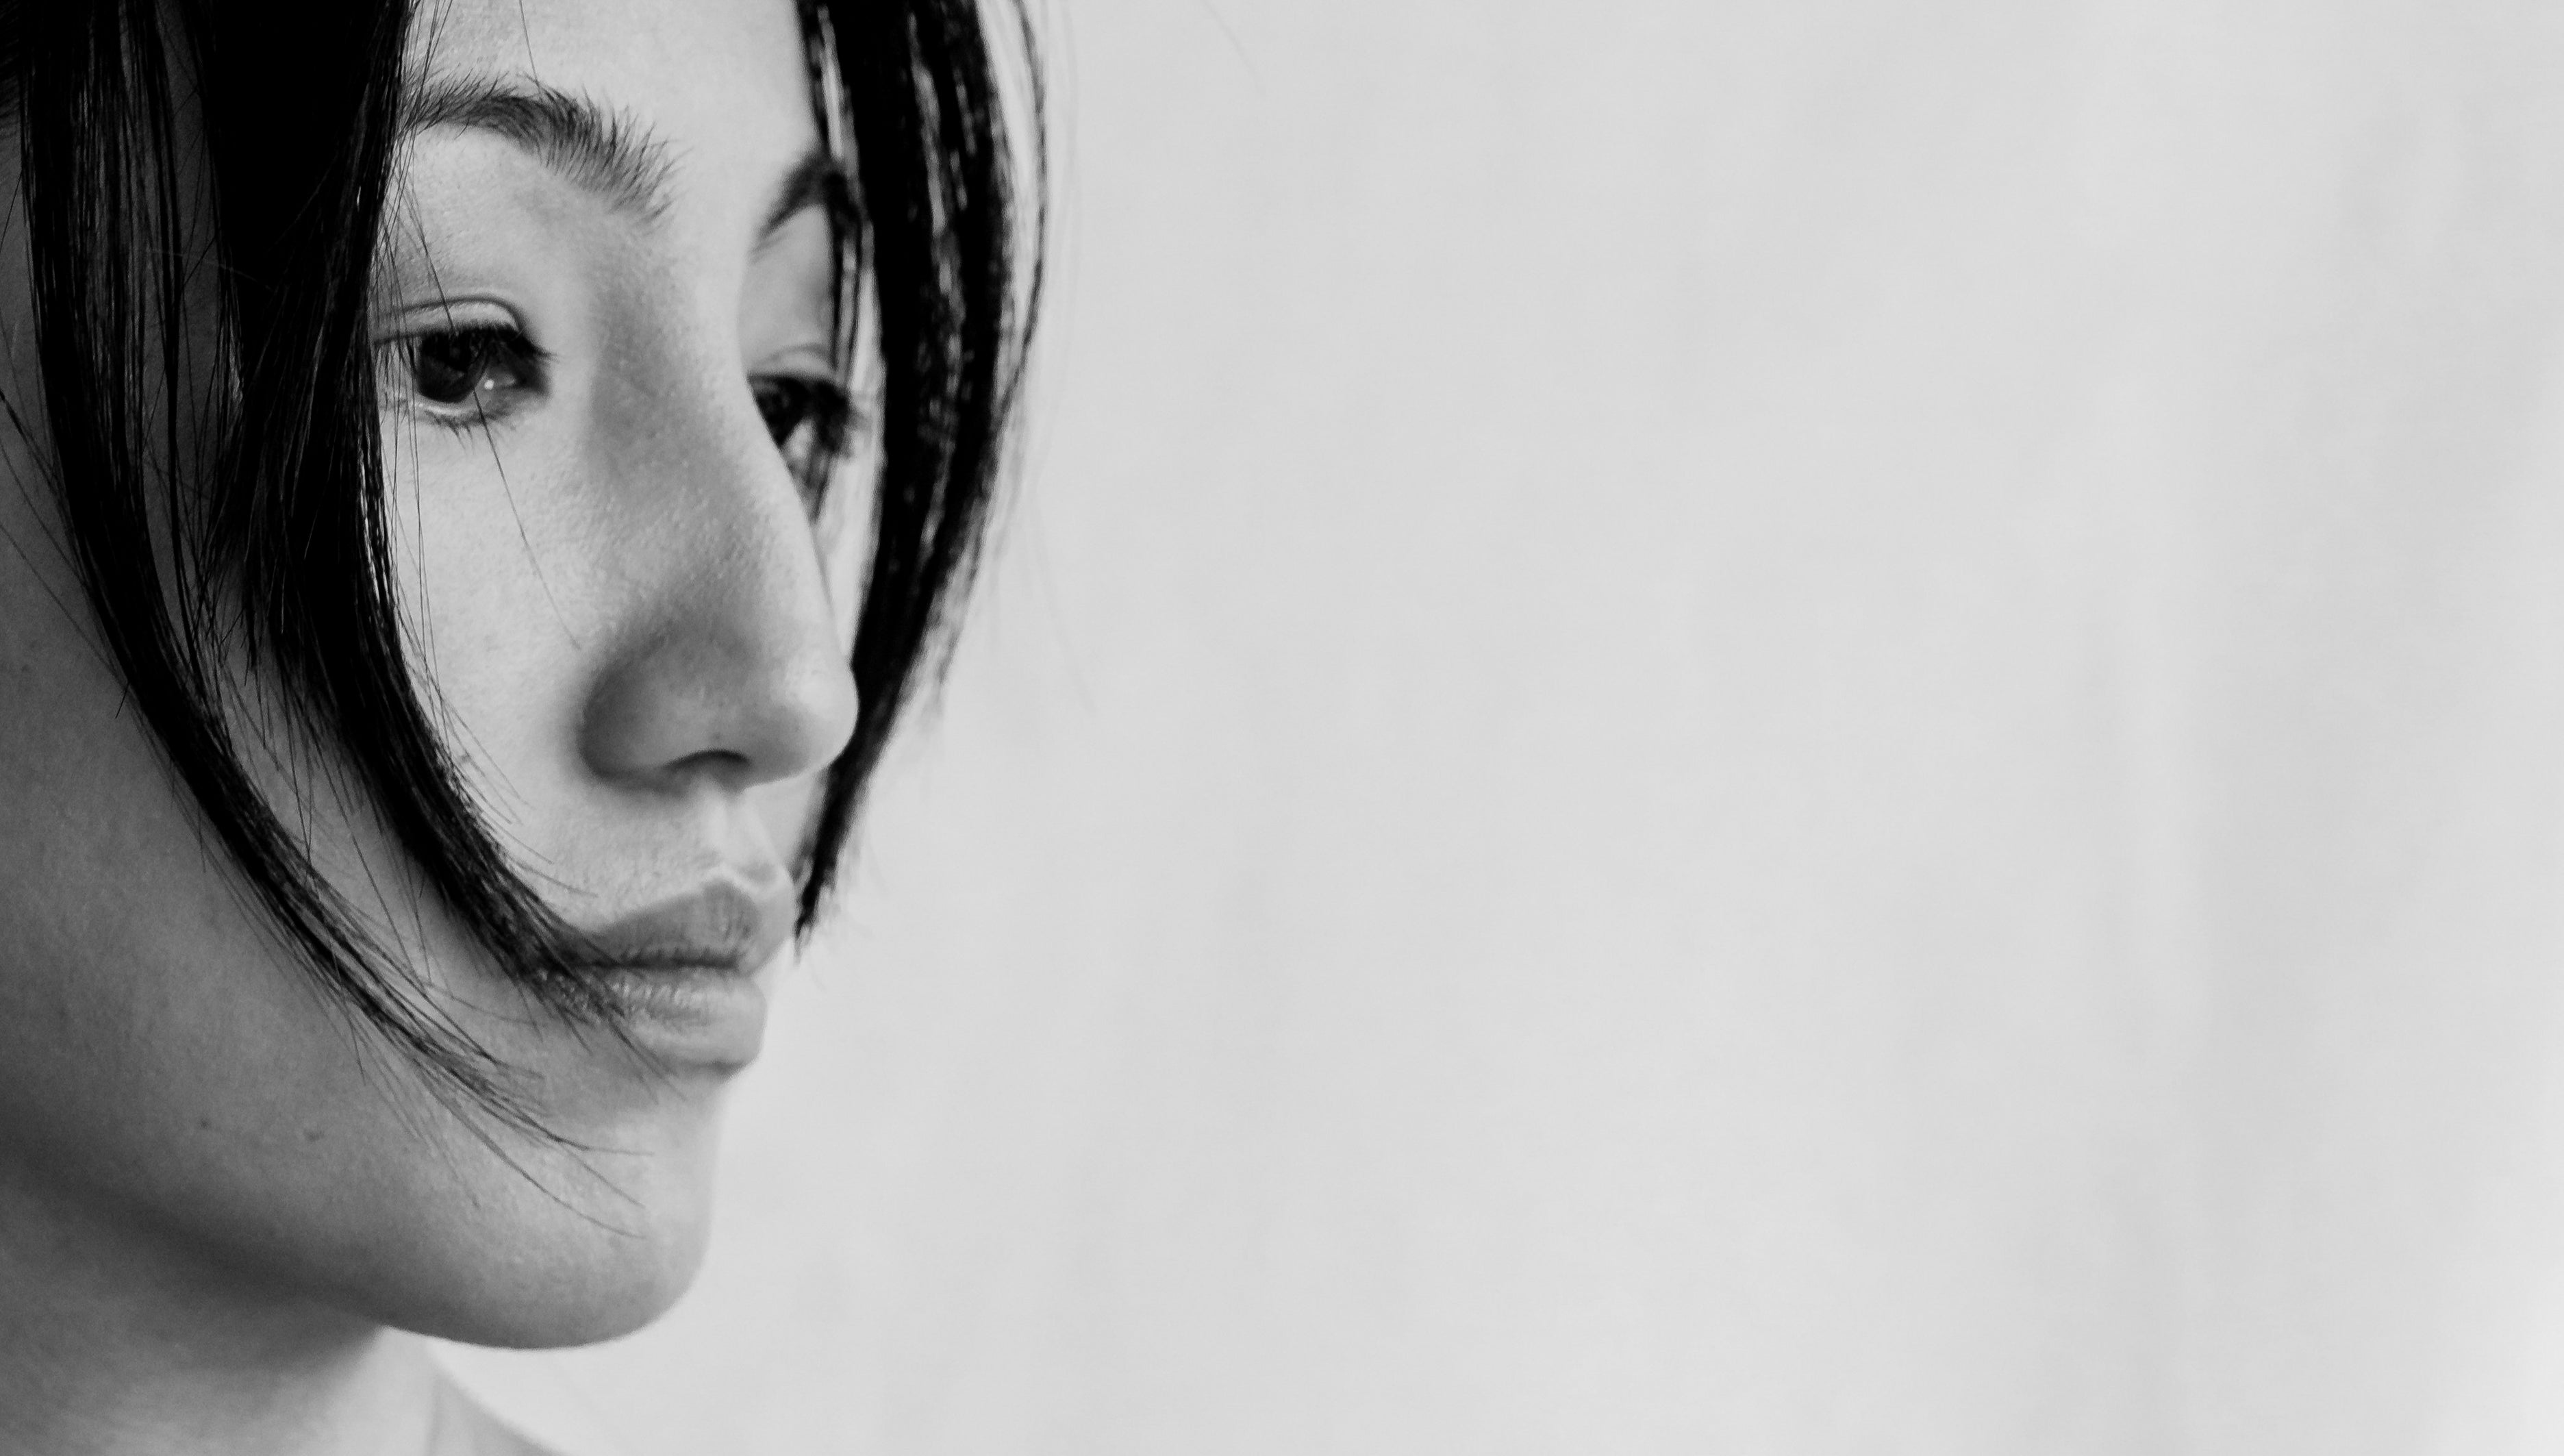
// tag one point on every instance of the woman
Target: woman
(442, 441)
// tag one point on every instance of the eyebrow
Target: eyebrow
(605, 151)
(817, 180)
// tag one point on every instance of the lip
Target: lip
(685, 969)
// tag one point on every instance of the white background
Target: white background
(1715, 727)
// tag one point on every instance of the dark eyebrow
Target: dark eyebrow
(817, 180)
(608, 152)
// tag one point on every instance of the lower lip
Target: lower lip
(697, 1016)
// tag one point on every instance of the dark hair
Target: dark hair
(239, 433)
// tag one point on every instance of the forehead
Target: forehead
(721, 83)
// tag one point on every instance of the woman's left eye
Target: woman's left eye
(808, 418)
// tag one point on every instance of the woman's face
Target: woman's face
(604, 306)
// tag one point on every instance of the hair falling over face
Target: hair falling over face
(240, 435)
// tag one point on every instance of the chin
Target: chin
(568, 1246)
(608, 1297)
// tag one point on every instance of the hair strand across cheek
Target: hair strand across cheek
(268, 429)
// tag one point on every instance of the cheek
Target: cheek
(165, 1068)
(497, 596)
(162, 1063)
(124, 995)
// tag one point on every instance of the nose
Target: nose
(723, 663)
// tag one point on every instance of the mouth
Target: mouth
(684, 972)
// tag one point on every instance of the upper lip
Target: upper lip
(727, 923)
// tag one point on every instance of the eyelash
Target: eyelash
(490, 372)
(471, 354)
(818, 414)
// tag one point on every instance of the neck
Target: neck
(115, 1344)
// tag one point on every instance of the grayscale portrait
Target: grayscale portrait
(1281, 728)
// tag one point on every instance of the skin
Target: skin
(226, 1211)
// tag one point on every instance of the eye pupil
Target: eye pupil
(809, 421)
(804, 417)
(454, 369)
(785, 404)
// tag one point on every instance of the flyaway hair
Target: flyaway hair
(212, 434)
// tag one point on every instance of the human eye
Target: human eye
(811, 419)
(464, 374)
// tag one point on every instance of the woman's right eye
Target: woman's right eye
(468, 376)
